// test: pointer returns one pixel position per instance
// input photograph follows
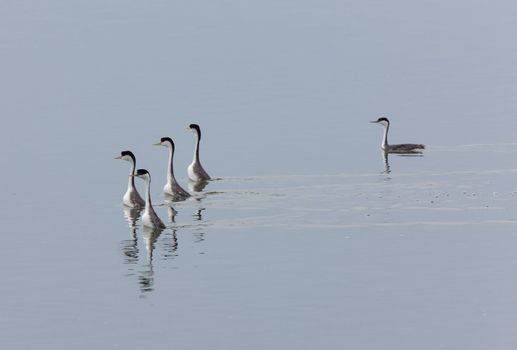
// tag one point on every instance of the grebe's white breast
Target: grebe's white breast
(151, 219)
(132, 199)
(197, 173)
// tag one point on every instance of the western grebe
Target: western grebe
(149, 219)
(172, 187)
(195, 170)
(131, 199)
(402, 148)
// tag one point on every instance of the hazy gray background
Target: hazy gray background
(279, 87)
(343, 256)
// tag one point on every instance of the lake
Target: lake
(308, 237)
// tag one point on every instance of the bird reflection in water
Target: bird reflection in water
(198, 216)
(149, 238)
(199, 237)
(386, 161)
(146, 277)
(170, 245)
(171, 214)
(197, 186)
(130, 246)
(132, 215)
(385, 158)
(171, 240)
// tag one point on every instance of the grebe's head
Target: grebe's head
(143, 174)
(166, 142)
(382, 120)
(195, 129)
(128, 156)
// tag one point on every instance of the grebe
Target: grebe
(402, 148)
(131, 199)
(172, 187)
(149, 219)
(195, 170)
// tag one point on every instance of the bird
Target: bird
(132, 198)
(195, 169)
(149, 218)
(172, 187)
(401, 148)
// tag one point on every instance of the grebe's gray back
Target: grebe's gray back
(195, 169)
(150, 218)
(132, 198)
(172, 187)
(400, 148)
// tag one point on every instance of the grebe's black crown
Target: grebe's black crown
(383, 119)
(127, 153)
(141, 172)
(167, 139)
(197, 128)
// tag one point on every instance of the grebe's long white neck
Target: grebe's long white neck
(147, 179)
(170, 166)
(131, 181)
(196, 150)
(384, 144)
(386, 124)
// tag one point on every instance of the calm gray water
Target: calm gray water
(305, 241)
